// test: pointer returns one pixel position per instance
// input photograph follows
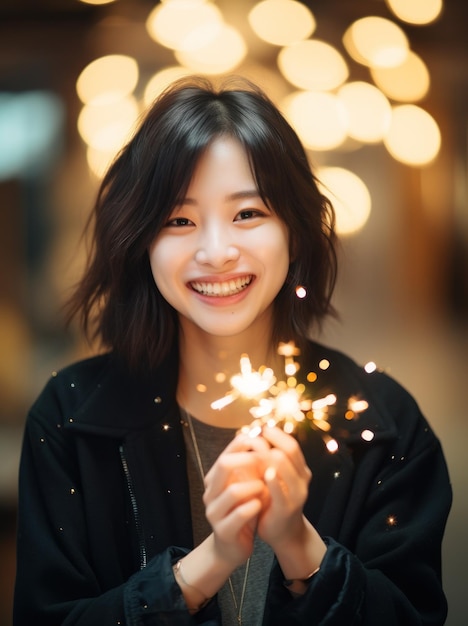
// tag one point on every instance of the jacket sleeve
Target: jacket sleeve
(56, 581)
(390, 572)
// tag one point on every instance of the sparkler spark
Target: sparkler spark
(282, 403)
(248, 384)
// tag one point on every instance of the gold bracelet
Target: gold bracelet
(178, 571)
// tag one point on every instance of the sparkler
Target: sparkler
(283, 403)
(248, 383)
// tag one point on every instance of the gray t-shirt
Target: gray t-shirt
(211, 441)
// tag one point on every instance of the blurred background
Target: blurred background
(377, 90)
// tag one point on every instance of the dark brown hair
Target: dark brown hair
(117, 299)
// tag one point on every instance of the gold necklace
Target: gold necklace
(238, 606)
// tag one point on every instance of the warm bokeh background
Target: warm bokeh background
(403, 289)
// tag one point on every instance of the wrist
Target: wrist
(298, 586)
(300, 557)
(200, 574)
(189, 591)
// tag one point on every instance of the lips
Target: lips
(222, 289)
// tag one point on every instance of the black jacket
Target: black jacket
(104, 506)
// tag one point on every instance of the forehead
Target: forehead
(223, 166)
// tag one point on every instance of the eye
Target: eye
(247, 214)
(179, 221)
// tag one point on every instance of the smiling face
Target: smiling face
(223, 255)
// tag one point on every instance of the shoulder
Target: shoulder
(100, 395)
(82, 373)
(334, 364)
(392, 413)
(78, 377)
(68, 387)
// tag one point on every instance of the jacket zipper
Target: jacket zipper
(136, 515)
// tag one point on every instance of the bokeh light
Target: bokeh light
(97, 2)
(320, 119)
(107, 127)
(184, 24)
(416, 11)
(107, 79)
(328, 111)
(369, 111)
(31, 127)
(281, 22)
(414, 136)
(349, 196)
(376, 42)
(313, 65)
(221, 54)
(407, 82)
(161, 80)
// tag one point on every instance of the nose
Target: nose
(216, 246)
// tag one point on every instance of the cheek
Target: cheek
(281, 253)
(274, 238)
(160, 263)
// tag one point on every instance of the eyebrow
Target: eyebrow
(238, 195)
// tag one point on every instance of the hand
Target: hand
(281, 522)
(287, 478)
(235, 492)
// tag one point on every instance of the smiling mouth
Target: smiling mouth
(224, 288)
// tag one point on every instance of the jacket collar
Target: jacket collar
(113, 403)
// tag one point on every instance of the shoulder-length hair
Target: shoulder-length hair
(117, 299)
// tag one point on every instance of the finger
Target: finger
(240, 516)
(232, 497)
(239, 526)
(286, 468)
(283, 480)
(241, 443)
(232, 467)
(282, 441)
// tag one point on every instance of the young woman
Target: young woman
(140, 504)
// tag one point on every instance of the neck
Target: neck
(206, 367)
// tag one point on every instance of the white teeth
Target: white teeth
(225, 288)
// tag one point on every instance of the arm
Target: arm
(391, 573)
(61, 579)
(233, 499)
(55, 581)
(282, 524)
